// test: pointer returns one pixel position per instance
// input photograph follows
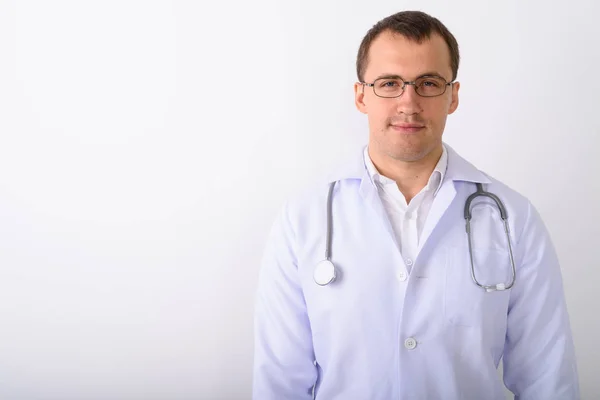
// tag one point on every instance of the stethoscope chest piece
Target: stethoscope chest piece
(324, 273)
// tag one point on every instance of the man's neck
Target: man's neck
(410, 176)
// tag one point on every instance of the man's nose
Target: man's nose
(409, 102)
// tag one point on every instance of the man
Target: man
(413, 307)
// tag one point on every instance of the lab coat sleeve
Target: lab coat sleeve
(539, 356)
(283, 352)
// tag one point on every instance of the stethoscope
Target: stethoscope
(325, 271)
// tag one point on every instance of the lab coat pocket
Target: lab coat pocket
(467, 304)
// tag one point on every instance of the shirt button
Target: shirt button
(410, 343)
(402, 276)
(409, 262)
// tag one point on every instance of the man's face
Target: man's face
(407, 128)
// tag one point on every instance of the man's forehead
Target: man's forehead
(406, 56)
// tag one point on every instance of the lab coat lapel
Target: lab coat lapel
(356, 169)
(440, 204)
(369, 193)
(458, 169)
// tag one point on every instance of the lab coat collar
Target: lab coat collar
(458, 169)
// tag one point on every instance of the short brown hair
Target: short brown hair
(414, 25)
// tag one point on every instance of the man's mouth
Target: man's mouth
(407, 128)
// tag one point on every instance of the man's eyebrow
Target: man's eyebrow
(396, 76)
(389, 76)
(432, 73)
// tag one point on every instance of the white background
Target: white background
(145, 147)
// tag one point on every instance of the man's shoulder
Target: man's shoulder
(507, 191)
(518, 206)
(308, 196)
(502, 186)
(496, 186)
(314, 192)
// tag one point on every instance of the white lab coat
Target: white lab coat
(371, 336)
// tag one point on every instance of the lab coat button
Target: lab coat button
(409, 262)
(401, 276)
(410, 343)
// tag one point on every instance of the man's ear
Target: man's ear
(359, 97)
(454, 101)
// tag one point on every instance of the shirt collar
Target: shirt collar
(435, 180)
(457, 170)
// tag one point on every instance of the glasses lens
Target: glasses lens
(388, 87)
(430, 86)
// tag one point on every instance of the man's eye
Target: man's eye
(389, 84)
(430, 84)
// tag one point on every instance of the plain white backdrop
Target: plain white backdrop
(145, 147)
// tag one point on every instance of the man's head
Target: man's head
(407, 125)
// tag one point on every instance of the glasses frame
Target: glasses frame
(405, 83)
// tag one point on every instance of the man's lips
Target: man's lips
(407, 128)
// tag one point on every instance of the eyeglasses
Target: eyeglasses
(425, 86)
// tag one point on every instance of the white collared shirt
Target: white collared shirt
(407, 220)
